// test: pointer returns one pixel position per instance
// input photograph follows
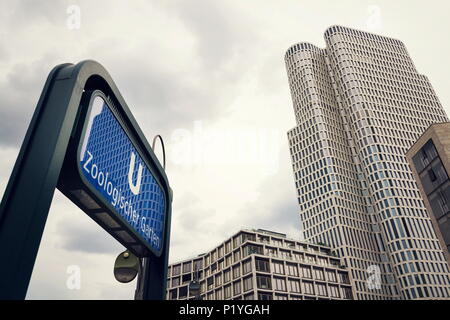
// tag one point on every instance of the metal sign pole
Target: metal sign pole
(27, 199)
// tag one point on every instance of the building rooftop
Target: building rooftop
(261, 264)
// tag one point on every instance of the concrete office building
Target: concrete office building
(429, 159)
(261, 265)
(360, 104)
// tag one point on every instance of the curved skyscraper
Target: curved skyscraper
(360, 104)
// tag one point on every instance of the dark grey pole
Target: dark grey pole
(29, 193)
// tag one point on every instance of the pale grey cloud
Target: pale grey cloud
(276, 207)
(219, 39)
(87, 238)
(19, 92)
(26, 14)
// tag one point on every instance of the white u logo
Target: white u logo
(134, 187)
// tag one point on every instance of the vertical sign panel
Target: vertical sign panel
(113, 168)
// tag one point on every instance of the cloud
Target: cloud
(72, 240)
(19, 92)
(198, 226)
(276, 207)
(87, 237)
(220, 41)
(27, 14)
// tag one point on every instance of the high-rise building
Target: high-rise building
(261, 265)
(429, 159)
(360, 104)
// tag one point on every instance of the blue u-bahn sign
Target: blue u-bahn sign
(113, 167)
(84, 140)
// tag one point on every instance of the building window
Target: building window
(237, 256)
(227, 276)
(285, 254)
(248, 237)
(210, 282)
(343, 277)
(236, 271)
(187, 267)
(183, 292)
(248, 283)
(438, 203)
(262, 265)
(218, 279)
(227, 292)
(228, 260)
(277, 242)
(334, 262)
(294, 285)
(334, 291)
(247, 266)
(305, 272)
(271, 251)
(263, 282)
(443, 201)
(278, 267)
(279, 283)
(236, 241)
(290, 244)
(198, 264)
(307, 287)
(310, 258)
(219, 294)
(237, 287)
(186, 278)
(346, 293)
(249, 296)
(432, 175)
(321, 289)
(228, 247)
(298, 256)
(322, 261)
(203, 285)
(252, 249)
(173, 294)
(176, 270)
(264, 296)
(319, 274)
(331, 275)
(292, 269)
(175, 281)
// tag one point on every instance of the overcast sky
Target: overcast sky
(208, 76)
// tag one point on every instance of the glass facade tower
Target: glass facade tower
(360, 104)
